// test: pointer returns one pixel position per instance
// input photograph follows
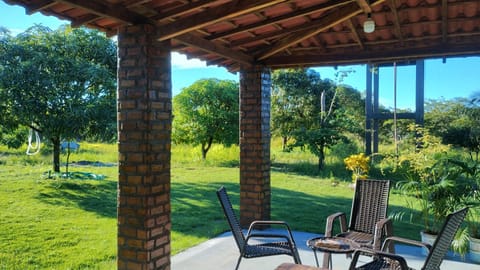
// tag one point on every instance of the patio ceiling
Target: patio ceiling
(286, 33)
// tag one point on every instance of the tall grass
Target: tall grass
(71, 223)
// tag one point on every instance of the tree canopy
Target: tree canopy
(59, 83)
(313, 112)
(207, 112)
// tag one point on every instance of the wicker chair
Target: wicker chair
(384, 260)
(266, 244)
(369, 224)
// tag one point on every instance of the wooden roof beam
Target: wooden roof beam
(84, 20)
(355, 33)
(298, 13)
(182, 10)
(212, 15)
(364, 5)
(38, 6)
(398, 30)
(444, 20)
(400, 53)
(210, 47)
(315, 27)
(116, 12)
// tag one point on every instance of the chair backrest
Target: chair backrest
(369, 204)
(231, 217)
(444, 239)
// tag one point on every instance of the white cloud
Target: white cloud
(180, 61)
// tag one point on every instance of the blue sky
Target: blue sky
(458, 77)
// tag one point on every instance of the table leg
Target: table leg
(316, 258)
(327, 260)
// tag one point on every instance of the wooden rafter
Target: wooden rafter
(314, 28)
(355, 35)
(364, 5)
(295, 14)
(208, 46)
(383, 56)
(444, 20)
(329, 20)
(213, 15)
(84, 20)
(182, 10)
(398, 31)
(103, 9)
(39, 5)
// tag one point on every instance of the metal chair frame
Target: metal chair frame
(269, 244)
(436, 254)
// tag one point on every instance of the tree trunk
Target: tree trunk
(284, 143)
(206, 147)
(56, 154)
(321, 158)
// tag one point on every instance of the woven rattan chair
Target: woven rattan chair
(264, 244)
(384, 260)
(369, 224)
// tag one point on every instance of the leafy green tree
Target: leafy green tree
(59, 83)
(307, 108)
(457, 122)
(207, 112)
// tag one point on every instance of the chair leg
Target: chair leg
(296, 257)
(238, 262)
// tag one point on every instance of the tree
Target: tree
(59, 83)
(311, 106)
(207, 112)
(457, 122)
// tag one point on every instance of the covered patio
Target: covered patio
(221, 253)
(249, 37)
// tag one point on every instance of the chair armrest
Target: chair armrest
(383, 229)
(330, 219)
(390, 240)
(258, 223)
(377, 255)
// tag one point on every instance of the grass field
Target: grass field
(54, 223)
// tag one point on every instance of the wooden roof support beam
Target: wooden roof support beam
(210, 47)
(38, 6)
(116, 12)
(355, 33)
(212, 15)
(364, 5)
(315, 27)
(400, 54)
(444, 20)
(84, 20)
(182, 10)
(299, 13)
(398, 30)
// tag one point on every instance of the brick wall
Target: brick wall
(144, 129)
(255, 87)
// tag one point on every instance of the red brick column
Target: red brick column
(255, 84)
(144, 129)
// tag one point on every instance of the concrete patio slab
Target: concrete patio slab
(221, 253)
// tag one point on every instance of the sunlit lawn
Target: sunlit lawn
(71, 224)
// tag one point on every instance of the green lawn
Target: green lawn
(71, 224)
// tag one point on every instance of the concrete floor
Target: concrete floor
(221, 253)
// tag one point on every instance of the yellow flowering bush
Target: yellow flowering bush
(359, 165)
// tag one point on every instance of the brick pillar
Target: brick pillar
(255, 84)
(144, 129)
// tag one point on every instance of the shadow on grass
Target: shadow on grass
(197, 212)
(332, 169)
(99, 197)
